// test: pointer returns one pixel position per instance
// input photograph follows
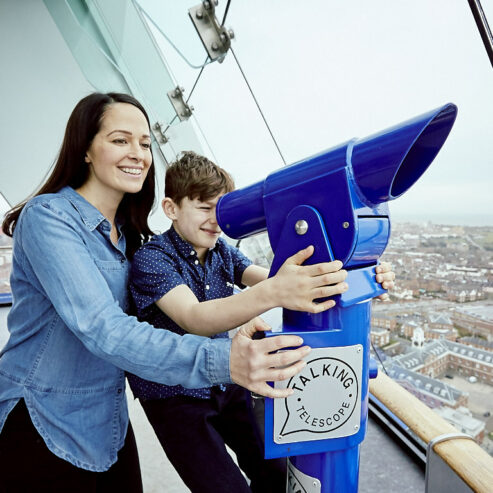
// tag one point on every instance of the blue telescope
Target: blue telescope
(336, 201)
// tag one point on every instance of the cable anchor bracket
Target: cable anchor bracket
(159, 132)
(215, 38)
(183, 110)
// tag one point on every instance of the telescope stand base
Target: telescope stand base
(328, 472)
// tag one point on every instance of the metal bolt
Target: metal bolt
(356, 427)
(156, 126)
(206, 4)
(301, 227)
(231, 33)
(199, 14)
(214, 46)
(279, 437)
(345, 225)
(358, 350)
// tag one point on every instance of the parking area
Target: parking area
(480, 395)
(480, 403)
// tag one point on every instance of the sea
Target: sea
(446, 219)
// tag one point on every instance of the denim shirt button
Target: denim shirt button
(122, 260)
(119, 391)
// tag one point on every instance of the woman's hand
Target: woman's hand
(296, 286)
(386, 277)
(253, 363)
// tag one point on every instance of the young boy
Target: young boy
(183, 281)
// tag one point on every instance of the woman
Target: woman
(62, 390)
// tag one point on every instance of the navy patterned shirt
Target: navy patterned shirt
(165, 262)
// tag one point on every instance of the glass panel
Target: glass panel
(135, 54)
(116, 51)
(4, 206)
(257, 249)
(85, 41)
(5, 258)
(175, 26)
(333, 71)
(433, 337)
(226, 117)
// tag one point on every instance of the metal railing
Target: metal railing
(462, 455)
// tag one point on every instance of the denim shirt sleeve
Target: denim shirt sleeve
(66, 273)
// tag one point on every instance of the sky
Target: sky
(325, 71)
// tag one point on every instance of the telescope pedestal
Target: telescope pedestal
(322, 424)
(336, 201)
(334, 471)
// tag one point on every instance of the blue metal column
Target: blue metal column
(337, 202)
(337, 470)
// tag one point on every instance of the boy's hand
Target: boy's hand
(385, 276)
(296, 285)
(252, 365)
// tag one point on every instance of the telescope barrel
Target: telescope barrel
(381, 167)
(241, 213)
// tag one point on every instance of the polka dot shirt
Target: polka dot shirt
(165, 262)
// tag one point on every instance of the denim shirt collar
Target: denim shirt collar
(91, 216)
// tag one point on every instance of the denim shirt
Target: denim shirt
(71, 341)
(162, 264)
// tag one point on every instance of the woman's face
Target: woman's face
(120, 154)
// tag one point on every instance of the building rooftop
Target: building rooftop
(482, 311)
(461, 418)
(434, 392)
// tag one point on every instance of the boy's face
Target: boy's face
(195, 222)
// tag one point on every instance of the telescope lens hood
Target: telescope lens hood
(387, 164)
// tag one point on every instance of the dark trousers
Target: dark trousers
(193, 433)
(27, 465)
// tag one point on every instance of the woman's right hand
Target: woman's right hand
(254, 362)
(295, 286)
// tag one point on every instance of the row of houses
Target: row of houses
(444, 399)
(419, 369)
(474, 319)
(435, 358)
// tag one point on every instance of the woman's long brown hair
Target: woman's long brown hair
(70, 169)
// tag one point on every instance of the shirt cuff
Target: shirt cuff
(218, 361)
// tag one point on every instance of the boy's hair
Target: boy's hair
(196, 177)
